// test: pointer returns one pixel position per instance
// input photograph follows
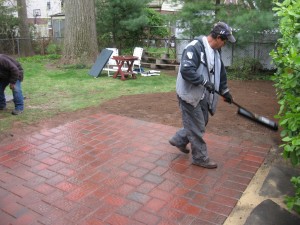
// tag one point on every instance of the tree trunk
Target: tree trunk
(218, 2)
(252, 6)
(25, 39)
(80, 38)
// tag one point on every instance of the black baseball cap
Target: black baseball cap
(223, 29)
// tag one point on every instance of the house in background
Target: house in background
(166, 6)
(57, 26)
(171, 7)
(156, 4)
(42, 15)
(230, 1)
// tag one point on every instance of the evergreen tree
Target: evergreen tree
(120, 20)
(156, 25)
(248, 18)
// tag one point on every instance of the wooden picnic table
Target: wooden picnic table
(121, 60)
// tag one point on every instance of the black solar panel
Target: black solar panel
(101, 61)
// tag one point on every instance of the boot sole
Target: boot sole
(207, 166)
(182, 149)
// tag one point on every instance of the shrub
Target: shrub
(247, 67)
(53, 49)
(287, 83)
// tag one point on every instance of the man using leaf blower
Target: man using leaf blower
(201, 72)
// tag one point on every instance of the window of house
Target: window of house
(48, 5)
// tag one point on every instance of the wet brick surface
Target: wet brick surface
(109, 169)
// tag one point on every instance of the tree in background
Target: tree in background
(196, 17)
(252, 19)
(8, 24)
(120, 21)
(157, 25)
(25, 42)
(7, 21)
(80, 38)
(248, 18)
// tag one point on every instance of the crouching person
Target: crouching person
(11, 74)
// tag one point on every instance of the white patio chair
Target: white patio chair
(138, 52)
(111, 65)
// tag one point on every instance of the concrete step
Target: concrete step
(153, 54)
(166, 61)
(160, 66)
(148, 59)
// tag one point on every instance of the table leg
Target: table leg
(119, 71)
(130, 65)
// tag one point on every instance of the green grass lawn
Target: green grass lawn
(50, 90)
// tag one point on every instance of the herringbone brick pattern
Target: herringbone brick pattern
(109, 169)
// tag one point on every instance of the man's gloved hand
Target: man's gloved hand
(227, 97)
(209, 86)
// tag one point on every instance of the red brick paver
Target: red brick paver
(109, 169)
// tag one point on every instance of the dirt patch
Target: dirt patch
(257, 96)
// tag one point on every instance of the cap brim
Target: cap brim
(231, 38)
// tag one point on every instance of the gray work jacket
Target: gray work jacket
(193, 73)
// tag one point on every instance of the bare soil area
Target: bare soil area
(256, 96)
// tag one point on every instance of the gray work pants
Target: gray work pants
(194, 120)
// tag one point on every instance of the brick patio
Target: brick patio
(109, 169)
